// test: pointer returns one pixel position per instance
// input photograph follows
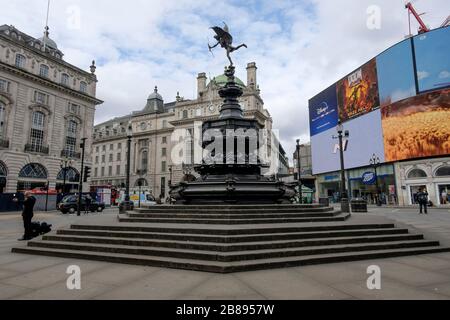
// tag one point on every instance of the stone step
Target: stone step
(232, 256)
(227, 267)
(231, 216)
(225, 247)
(231, 221)
(238, 230)
(265, 207)
(159, 209)
(211, 238)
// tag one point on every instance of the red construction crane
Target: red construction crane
(423, 28)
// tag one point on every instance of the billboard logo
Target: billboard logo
(355, 78)
(322, 109)
(344, 144)
(369, 178)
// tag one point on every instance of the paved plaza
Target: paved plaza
(39, 277)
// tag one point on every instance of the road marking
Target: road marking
(396, 210)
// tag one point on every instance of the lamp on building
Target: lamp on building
(375, 162)
(341, 134)
(65, 165)
(128, 205)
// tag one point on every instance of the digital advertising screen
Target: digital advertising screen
(417, 127)
(323, 111)
(358, 92)
(432, 52)
(395, 69)
(365, 139)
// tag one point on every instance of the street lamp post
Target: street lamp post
(300, 195)
(66, 164)
(375, 162)
(127, 205)
(344, 197)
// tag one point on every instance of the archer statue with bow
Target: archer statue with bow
(225, 40)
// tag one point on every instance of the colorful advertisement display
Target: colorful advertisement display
(323, 111)
(417, 127)
(432, 51)
(358, 92)
(365, 139)
(395, 69)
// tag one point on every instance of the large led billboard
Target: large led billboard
(395, 70)
(432, 52)
(358, 92)
(365, 139)
(411, 83)
(417, 127)
(323, 111)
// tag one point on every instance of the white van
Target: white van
(146, 197)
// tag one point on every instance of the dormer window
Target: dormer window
(43, 71)
(83, 86)
(65, 79)
(20, 61)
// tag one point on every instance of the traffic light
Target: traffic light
(87, 173)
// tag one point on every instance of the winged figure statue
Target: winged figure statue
(225, 40)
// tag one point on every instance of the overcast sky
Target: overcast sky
(300, 47)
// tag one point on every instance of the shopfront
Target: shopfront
(329, 186)
(432, 175)
(363, 184)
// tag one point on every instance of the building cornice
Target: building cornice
(43, 81)
(91, 76)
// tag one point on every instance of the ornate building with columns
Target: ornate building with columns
(47, 106)
(153, 130)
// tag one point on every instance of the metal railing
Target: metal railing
(36, 149)
(70, 154)
(4, 144)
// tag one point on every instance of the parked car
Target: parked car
(69, 204)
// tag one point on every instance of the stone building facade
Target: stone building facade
(154, 135)
(46, 107)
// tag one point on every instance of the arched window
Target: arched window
(143, 181)
(72, 175)
(2, 119)
(33, 171)
(416, 173)
(185, 114)
(65, 79)
(37, 131)
(83, 86)
(443, 171)
(43, 71)
(20, 61)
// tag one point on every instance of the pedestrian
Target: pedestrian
(27, 214)
(422, 198)
(87, 204)
(444, 196)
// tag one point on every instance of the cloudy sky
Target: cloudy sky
(300, 47)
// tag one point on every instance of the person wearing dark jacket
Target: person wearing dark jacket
(422, 198)
(27, 214)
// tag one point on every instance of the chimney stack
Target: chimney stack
(201, 83)
(251, 75)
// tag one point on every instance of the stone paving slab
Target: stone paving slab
(287, 284)
(417, 277)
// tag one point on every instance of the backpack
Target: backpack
(422, 197)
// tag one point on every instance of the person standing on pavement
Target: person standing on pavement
(27, 214)
(87, 204)
(444, 197)
(422, 198)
